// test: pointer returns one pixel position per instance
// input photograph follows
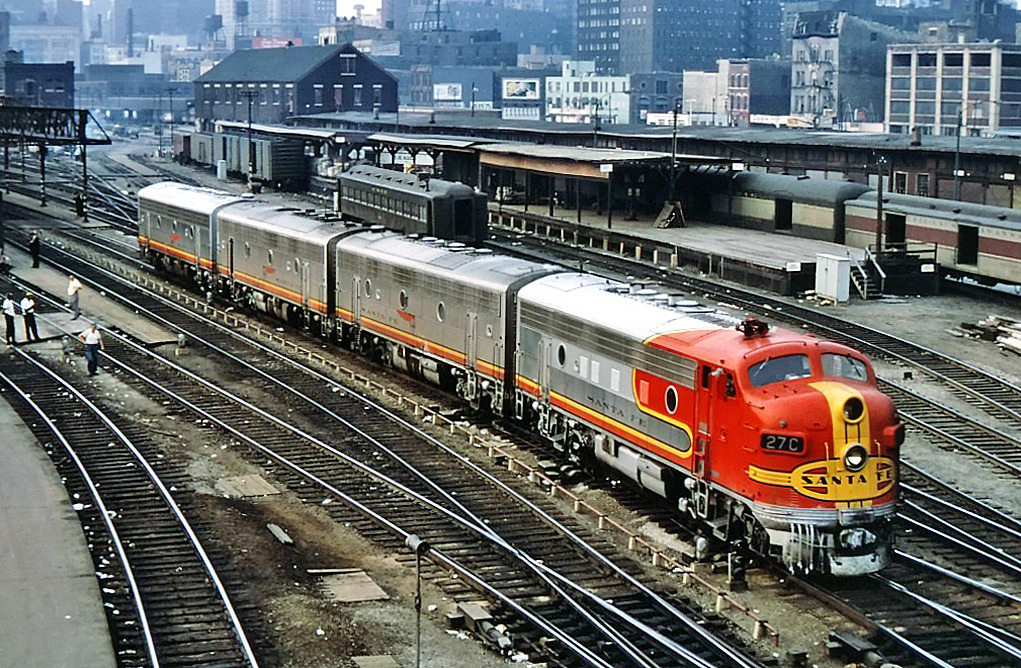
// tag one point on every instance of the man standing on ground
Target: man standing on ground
(28, 311)
(33, 248)
(9, 312)
(74, 286)
(93, 340)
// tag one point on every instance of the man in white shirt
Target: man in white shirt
(74, 286)
(9, 312)
(28, 312)
(93, 340)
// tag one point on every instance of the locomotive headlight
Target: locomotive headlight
(855, 457)
(854, 409)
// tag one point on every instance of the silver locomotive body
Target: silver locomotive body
(441, 311)
(177, 226)
(278, 261)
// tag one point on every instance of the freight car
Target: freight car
(411, 204)
(277, 161)
(769, 436)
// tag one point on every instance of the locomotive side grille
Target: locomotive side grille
(610, 343)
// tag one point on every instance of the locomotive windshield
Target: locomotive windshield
(844, 366)
(778, 369)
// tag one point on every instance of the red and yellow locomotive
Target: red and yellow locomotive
(772, 436)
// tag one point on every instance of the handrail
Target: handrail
(863, 283)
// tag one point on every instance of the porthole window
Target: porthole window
(248, 250)
(441, 312)
(159, 222)
(297, 265)
(403, 299)
(269, 257)
(173, 226)
(368, 288)
(671, 400)
(561, 355)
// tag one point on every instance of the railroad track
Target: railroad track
(510, 547)
(165, 601)
(929, 630)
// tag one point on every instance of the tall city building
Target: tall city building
(627, 36)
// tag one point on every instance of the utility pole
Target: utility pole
(957, 157)
(881, 171)
(673, 152)
(250, 95)
(170, 92)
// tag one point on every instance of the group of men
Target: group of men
(91, 337)
(10, 309)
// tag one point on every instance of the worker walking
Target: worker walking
(74, 286)
(28, 312)
(93, 340)
(10, 310)
(33, 248)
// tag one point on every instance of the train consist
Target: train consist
(970, 240)
(768, 436)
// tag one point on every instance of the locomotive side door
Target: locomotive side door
(356, 300)
(230, 259)
(471, 341)
(304, 284)
(704, 397)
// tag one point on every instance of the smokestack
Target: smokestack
(131, 32)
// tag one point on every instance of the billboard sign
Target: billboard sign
(521, 89)
(448, 92)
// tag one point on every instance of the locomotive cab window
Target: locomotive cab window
(844, 366)
(778, 369)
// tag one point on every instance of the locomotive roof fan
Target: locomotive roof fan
(752, 327)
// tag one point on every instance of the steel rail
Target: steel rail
(963, 579)
(171, 504)
(106, 514)
(973, 625)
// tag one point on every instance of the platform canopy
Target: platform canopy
(580, 161)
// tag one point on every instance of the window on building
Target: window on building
(338, 97)
(317, 96)
(926, 83)
(900, 182)
(901, 60)
(952, 84)
(980, 60)
(1012, 60)
(922, 185)
(953, 60)
(900, 107)
(927, 60)
(978, 84)
(357, 97)
(347, 63)
(925, 108)
(900, 83)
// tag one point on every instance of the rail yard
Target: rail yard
(236, 474)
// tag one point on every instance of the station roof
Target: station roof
(577, 161)
(260, 65)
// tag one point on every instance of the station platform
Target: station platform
(51, 613)
(778, 262)
(94, 307)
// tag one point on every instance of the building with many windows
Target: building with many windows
(581, 95)
(269, 85)
(940, 88)
(628, 36)
(838, 67)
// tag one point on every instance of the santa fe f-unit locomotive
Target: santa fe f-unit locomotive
(769, 436)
